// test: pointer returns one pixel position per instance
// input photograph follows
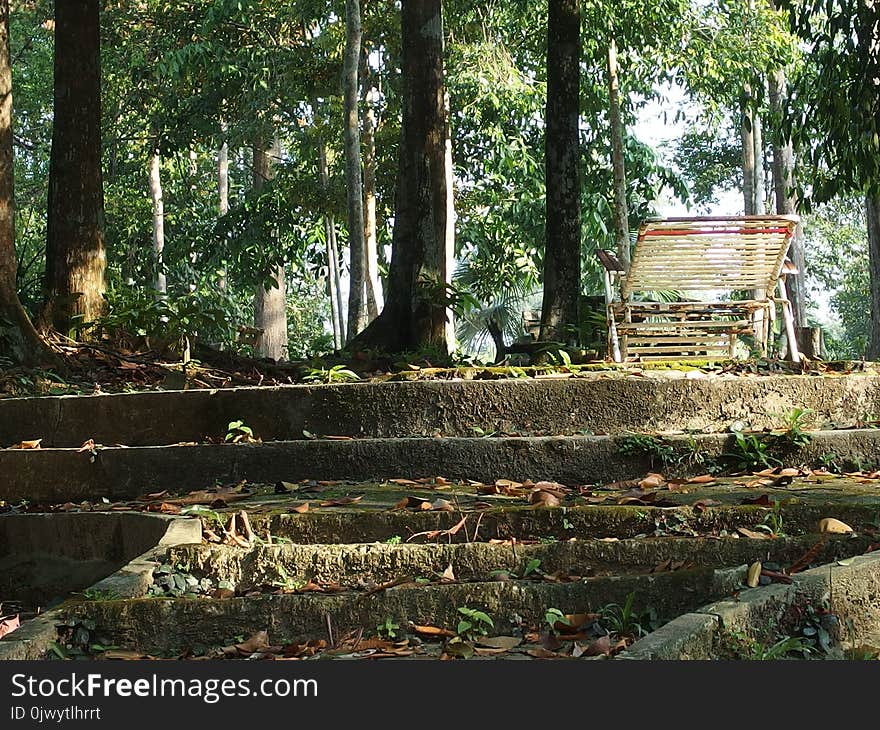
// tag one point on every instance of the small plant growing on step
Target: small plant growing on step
(473, 623)
(387, 629)
(333, 374)
(237, 432)
(622, 620)
(750, 451)
(554, 618)
(645, 445)
(795, 433)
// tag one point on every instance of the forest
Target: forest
(289, 180)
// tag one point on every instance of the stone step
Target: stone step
(168, 627)
(609, 403)
(54, 476)
(358, 565)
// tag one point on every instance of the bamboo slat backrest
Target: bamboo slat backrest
(710, 254)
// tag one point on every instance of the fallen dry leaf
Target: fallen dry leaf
(544, 499)
(834, 526)
(602, 645)
(652, 481)
(442, 505)
(341, 501)
(432, 631)
(504, 643)
(33, 444)
(125, 654)
(701, 479)
(8, 624)
(301, 508)
(753, 534)
(255, 643)
(753, 576)
(448, 575)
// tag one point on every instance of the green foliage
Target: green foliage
(332, 374)
(752, 451)
(645, 445)
(623, 620)
(387, 629)
(237, 431)
(474, 623)
(552, 617)
(100, 594)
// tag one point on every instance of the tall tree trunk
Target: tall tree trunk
(353, 183)
(18, 338)
(222, 188)
(448, 261)
(747, 135)
(75, 256)
(786, 200)
(758, 140)
(559, 312)
(159, 281)
(621, 214)
(270, 305)
(333, 274)
(371, 248)
(223, 179)
(414, 313)
(872, 205)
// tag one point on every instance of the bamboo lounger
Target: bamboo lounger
(713, 256)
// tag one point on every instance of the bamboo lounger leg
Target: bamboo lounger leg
(789, 323)
(612, 324)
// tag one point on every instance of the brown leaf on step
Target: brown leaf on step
(442, 505)
(507, 484)
(701, 479)
(555, 488)
(652, 481)
(602, 645)
(834, 526)
(627, 484)
(576, 621)
(448, 575)
(541, 653)
(765, 472)
(753, 577)
(222, 593)
(165, 508)
(457, 647)
(309, 648)
(503, 643)
(300, 508)
(122, 654)
(341, 501)
(8, 624)
(404, 482)
(755, 483)
(258, 641)
(808, 557)
(544, 499)
(702, 504)
(154, 496)
(432, 631)
(763, 500)
(790, 472)
(33, 444)
(752, 534)
(776, 576)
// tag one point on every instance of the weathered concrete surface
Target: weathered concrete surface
(45, 556)
(61, 475)
(350, 565)
(89, 546)
(598, 403)
(690, 636)
(168, 626)
(850, 591)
